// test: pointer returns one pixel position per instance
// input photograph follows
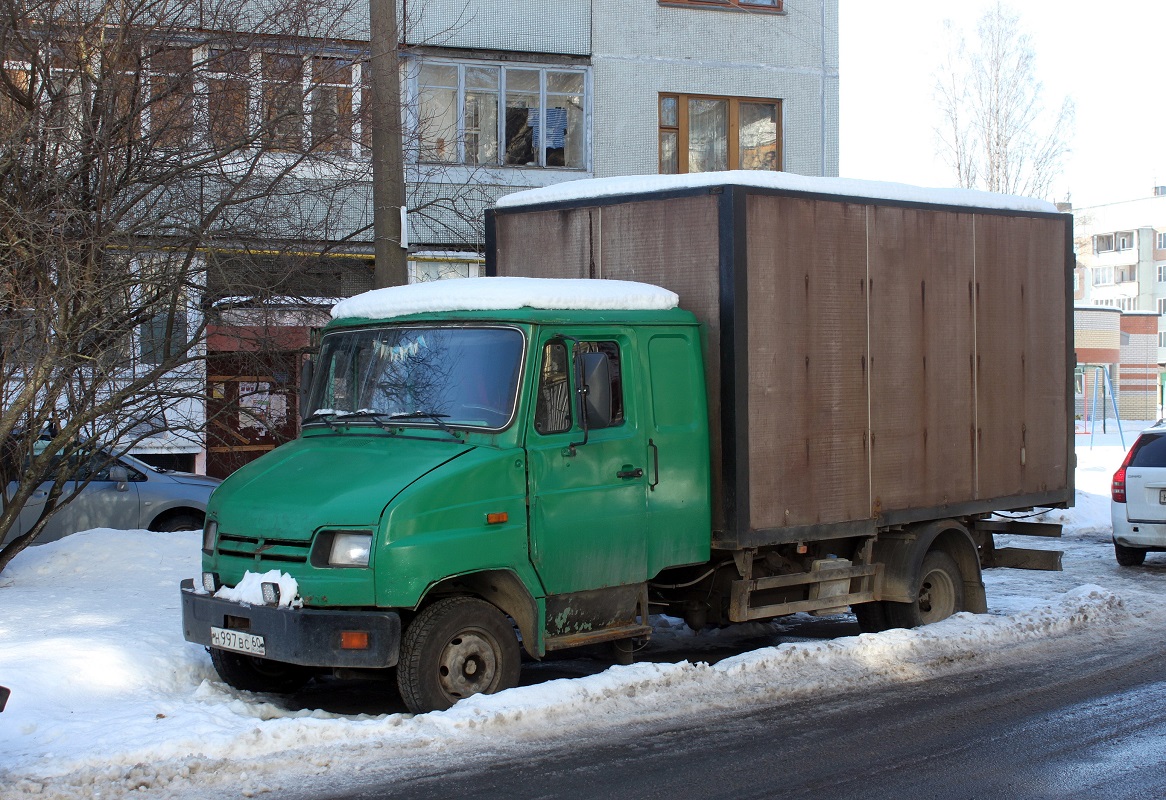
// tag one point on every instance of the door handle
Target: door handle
(630, 473)
(655, 466)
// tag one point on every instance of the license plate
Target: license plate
(1162, 496)
(238, 641)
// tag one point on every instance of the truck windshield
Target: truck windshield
(447, 376)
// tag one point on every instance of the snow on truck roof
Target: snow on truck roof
(592, 188)
(498, 294)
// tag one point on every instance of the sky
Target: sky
(1106, 56)
(109, 701)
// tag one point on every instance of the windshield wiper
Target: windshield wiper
(436, 418)
(325, 415)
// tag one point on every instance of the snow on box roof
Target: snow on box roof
(497, 294)
(591, 188)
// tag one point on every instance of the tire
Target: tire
(872, 617)
(183, 521)
(455, 648)
(1129, 556)
(939, 595)
(253, 674)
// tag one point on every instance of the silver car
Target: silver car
(126, 495)
(1138, 493)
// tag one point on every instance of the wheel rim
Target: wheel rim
(936, 596)
(469, 664)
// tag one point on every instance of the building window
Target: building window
(1124, 240)
(332, 118)
(1161, 273)
(1161, 306)
(227, 89)
(1102, 276)
(745, 5)
(705, 134)
(162, 337)
(501, 115)
(282, 101)
(171, 108)
(1103, 243)
(1162, 338)
(425, 267)
(1161, 241)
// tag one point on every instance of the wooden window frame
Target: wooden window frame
(778, 6)
(733, 145)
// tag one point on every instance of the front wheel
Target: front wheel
(455, 648)
(939, 595)
(1129, 556)
(253, 674)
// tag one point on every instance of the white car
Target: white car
(1138, 492)
(125, 495)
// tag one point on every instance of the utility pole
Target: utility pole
(388, 174)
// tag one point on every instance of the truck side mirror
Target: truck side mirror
(597, 398)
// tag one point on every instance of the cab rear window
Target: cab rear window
(1150, 451)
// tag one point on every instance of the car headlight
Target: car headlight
(350, 549)
(210, 533)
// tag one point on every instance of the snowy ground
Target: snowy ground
(108, 699)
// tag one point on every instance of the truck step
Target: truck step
(597, 636)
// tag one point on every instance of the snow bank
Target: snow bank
(498, 294)
(593, 188)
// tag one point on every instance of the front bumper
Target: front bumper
(305, 636)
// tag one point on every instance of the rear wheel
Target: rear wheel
(253, 674)
(1129, 556)
(939, 595)
(455, 648)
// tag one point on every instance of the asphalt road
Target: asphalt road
(1061, 724)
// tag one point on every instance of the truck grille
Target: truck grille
(293, 551)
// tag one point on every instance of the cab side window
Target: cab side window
(553, 405)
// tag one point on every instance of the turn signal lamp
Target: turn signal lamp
(353, 640)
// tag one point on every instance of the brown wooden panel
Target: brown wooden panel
(808, 461)
(544, 244)
(674, 243)
(1021, 365)
(922, 340)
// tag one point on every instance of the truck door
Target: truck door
(679, 501)
(587, 500)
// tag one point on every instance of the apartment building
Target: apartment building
(1121, 264)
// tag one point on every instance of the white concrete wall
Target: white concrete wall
(642, 49)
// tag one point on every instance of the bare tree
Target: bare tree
(995, 131)
(138, 138)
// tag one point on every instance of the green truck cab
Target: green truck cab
(461, 475)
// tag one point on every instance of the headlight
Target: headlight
(210, 533)
(350, 549)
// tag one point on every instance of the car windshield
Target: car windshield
(444, 376)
